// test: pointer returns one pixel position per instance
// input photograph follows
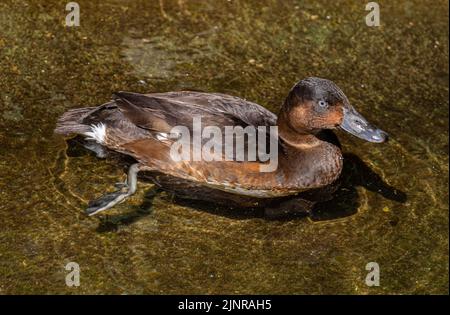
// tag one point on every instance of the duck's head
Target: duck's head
(314, 104)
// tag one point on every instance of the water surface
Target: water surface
(395, 74)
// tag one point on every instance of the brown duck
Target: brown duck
(309, 159)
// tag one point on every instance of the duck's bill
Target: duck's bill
(355, 124)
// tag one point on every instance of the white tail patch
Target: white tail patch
(97, 133)
(162, 136)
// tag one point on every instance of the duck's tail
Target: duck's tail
(71, 122)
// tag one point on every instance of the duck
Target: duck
(146, 127)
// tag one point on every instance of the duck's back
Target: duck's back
(250, 112)
(130, 117)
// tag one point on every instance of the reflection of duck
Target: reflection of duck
(309, 157)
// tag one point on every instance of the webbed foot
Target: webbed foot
(106, 201)
(111, 199)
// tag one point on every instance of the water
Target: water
(396, 75)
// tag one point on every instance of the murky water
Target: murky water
(393, 206)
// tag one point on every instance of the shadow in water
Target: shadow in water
(340, 201)
(356, 173)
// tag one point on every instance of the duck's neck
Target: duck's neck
(297, 138)
(307, 161)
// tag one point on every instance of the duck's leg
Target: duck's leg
(110, 200)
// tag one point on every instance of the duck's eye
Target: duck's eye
(323, 104)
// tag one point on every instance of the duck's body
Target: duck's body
(142, 126)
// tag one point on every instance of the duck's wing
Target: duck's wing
(160, 112)
(251, 113)
(178, 108)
